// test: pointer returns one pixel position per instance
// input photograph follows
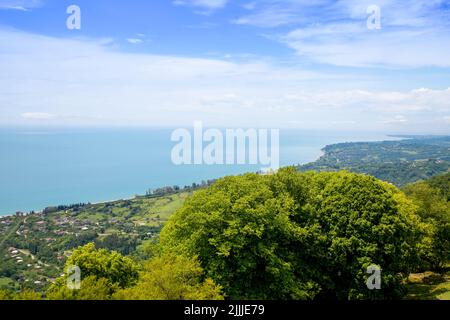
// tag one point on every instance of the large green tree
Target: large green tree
(431, 198)
(171, 277)
(103, 272)
(91, 288)
(298, 235)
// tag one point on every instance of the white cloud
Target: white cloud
(135, 40)
(207, 4)
(249, 5)
(336, 33)
(267, 19)
(398, 119)
(90, 82)
(22, 5)
(38, 116)
(274, 13)
(356, 46)
(417, 13)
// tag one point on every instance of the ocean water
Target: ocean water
(46, 167)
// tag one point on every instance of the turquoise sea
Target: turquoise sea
(45, 167)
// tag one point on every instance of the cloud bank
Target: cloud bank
(53, 81)
(414, 33)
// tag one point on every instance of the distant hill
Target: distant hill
(399, 162)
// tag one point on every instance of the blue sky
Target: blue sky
(265, 63)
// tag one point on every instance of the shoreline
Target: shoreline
(322, 153)
(42, 210)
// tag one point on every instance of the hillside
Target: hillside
(34, 247)
(399, 162)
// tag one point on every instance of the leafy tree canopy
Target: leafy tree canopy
(432, 200)
(26, 295)
(442, 183)
(299, 235)
(171, 277)
(102, 273)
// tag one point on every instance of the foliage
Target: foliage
(102, 263)
(102, 273)
(91, 288)
(441, 183)
(298, 236)
(26, 295)
(399, 162)
(271, 231)
(123, 244)
(434, 208)
(148, 250)
(171, 277)
(44, 240)
(4, 295)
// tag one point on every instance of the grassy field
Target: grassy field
(429, 286)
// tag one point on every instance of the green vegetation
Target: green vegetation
(442, 184)
(289, 235)
(299, 236)
(434, 208)
(109, 275)
(399, 162)
(103, 274)
(35, 247)
(171, 277)
(23, 295)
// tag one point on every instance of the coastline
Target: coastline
(42, 210)
(322, 153)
